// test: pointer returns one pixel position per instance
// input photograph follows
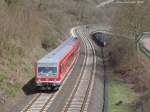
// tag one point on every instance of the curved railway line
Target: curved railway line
(79, 98)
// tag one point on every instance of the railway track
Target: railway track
(38, 103)
(80, 96)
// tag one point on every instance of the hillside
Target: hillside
(29, 29)
(131, 66)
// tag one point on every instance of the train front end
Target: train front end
(46, 76)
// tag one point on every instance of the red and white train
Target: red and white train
(52, 68)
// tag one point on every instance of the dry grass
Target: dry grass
(22, 31)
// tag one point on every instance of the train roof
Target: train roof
(58, 53)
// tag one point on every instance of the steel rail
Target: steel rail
(79, 79)
(90, 81)
(31, 103)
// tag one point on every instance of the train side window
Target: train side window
(61, 68)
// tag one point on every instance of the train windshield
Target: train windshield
(47, 71)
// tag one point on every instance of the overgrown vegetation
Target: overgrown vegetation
(120, 96)
(129, 65)
(133, 19)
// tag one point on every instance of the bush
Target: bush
(49, 43)
(9, 2)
